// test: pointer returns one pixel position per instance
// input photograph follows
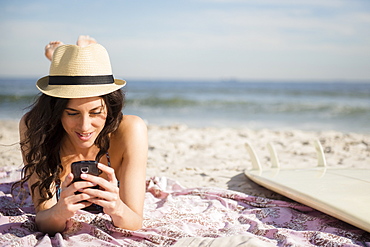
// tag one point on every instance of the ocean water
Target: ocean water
(275, 105)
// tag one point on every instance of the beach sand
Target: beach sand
(216, 157)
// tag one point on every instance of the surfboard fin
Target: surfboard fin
(320, 154)
(256, 165)
(274, 158)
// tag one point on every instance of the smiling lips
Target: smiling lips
(84, 136)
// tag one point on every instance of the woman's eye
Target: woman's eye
(96, 113)
(71, 114)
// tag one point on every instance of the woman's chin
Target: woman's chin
(85, 144)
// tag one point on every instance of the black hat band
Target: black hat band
(81, 80)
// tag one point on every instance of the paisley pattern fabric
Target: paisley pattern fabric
(174, 215)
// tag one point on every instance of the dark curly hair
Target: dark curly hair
(43, 140)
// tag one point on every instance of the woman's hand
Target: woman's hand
(108, 195)
(69, 202)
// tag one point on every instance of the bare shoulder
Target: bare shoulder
(22, 124)
(131, 126)
(131, 122)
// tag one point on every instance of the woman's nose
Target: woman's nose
(85, 122)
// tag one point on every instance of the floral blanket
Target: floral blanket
(180, 216)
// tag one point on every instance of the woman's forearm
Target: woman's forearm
(50, 222)
(127, 219)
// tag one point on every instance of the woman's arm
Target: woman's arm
(49, 218)
(52, 215)
(132, 174)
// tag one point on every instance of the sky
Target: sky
(274, 40)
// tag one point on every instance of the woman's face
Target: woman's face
(83, 119)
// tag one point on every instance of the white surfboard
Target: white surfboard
(341, 193)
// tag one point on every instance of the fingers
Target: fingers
(77, 185)
(67, 181)
(110, 184)
(108, 200)
(68, 189)
(109, 171)
(101, 194)
(83, 204)
(69, 202)
(107, 205)
(79, 200)
(82, 198)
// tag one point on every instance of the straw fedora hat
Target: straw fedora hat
(79, 72)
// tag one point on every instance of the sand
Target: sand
(216, 157)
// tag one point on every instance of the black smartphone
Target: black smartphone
(84, 166)
(88, 167)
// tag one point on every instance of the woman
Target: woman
(78, 117)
